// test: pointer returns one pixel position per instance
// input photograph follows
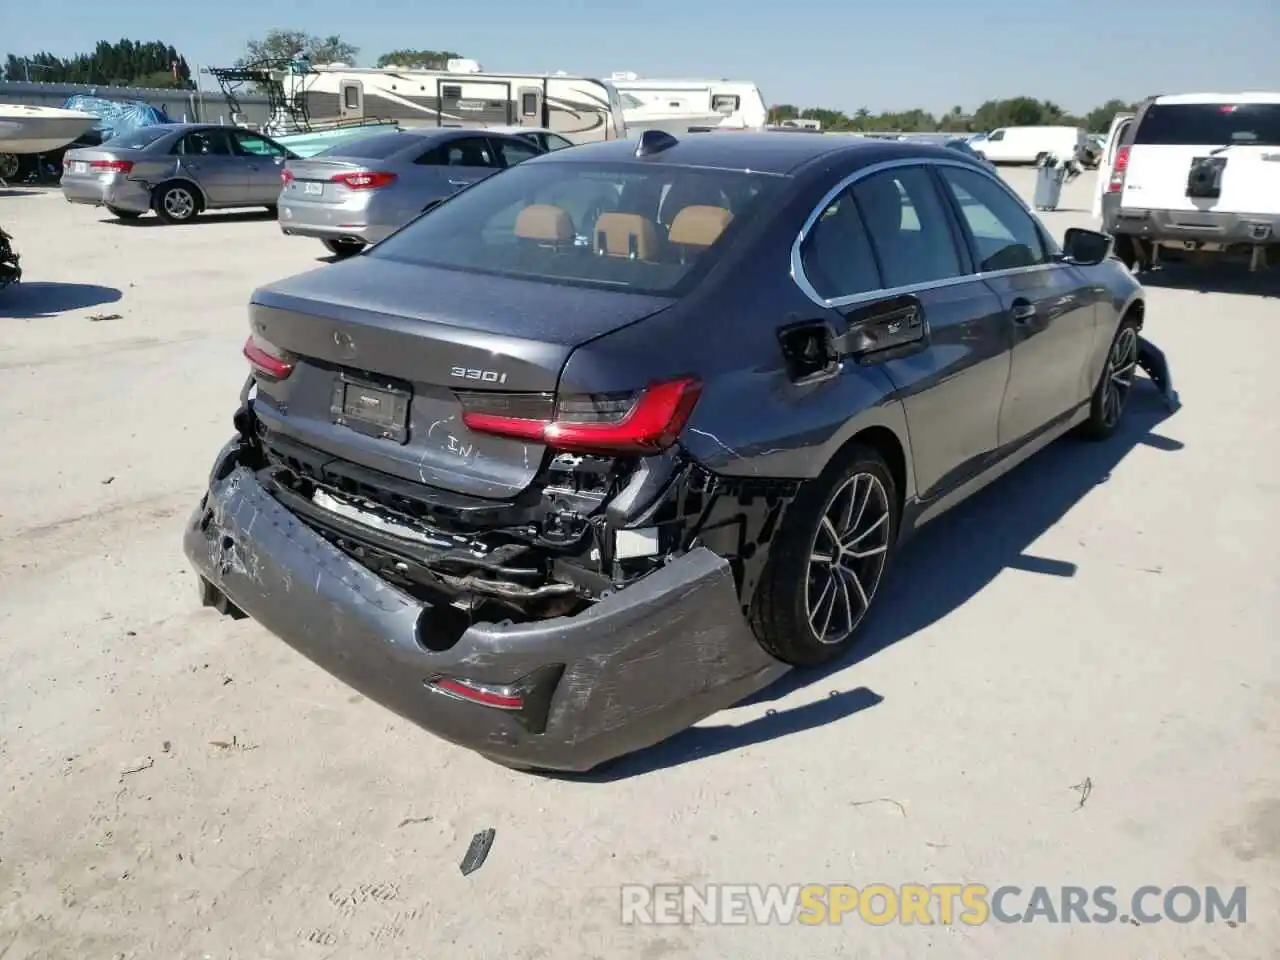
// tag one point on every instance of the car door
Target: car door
(448, 167)
(886, 249)
(263, 160)
(1107, 162)
(1050, 305)
(208, 157)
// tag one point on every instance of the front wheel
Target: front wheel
(828, 561)
(176, 203)
(1111, 395)
(343, 248)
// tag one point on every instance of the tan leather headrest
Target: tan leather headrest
(626, 235)
(545, 223)
(699, 226)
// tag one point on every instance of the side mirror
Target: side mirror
(1086, 247)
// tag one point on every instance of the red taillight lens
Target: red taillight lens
(266, 359)
(1117, 171)
(643, 423)
(364, 181)
(286, 176)
(111, 166)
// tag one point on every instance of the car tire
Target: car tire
(123, 214)
(1115, 384)
(176, 203)
(10, 166)
(1130, 253)
(342, 249)
(816, 590)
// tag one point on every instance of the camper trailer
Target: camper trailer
(581, 109)
(735, 104)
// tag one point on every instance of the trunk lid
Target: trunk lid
(313, 179)
(382, 349)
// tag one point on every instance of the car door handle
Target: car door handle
(1023, 312)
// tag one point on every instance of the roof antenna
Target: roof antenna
(654, 141)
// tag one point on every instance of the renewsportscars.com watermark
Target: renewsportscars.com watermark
(943, 904)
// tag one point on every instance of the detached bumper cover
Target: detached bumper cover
(639, 666)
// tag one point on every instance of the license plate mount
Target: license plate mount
(313, 189)
(80, 166)
(375, 409)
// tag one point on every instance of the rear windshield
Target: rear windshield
(139, 139)
(377, 147)
(631, 227)
(1214, 124)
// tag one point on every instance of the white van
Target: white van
(1030, 144)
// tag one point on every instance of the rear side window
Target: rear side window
(463, 152)
(377, 147)
(629, 227)
(515, 151)
(206, 143)
(1209, 124)
(836, 255)
(908, 227)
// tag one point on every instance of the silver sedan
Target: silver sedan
(177, 170)
(363, 191)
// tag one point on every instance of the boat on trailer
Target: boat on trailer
(26, 129)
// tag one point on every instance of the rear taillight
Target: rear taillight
(642, 423)
(266, 359)
(485, 694)
(1117, 171)
(364, 181)
(286, 176)
(111, 166)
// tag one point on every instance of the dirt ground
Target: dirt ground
(176, 785)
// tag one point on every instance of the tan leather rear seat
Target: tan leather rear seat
(626, 235)
(545, 223)
(699, 226)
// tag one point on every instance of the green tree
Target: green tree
(123, 63)
(418, 59)
(1098, 120)
(280, 44)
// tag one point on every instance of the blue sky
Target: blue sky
(819, 53)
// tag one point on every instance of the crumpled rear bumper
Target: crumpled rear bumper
(638, 666)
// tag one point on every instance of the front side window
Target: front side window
(515, 151)
(1004, 233)
(907, 224)
(630, 227)
(998, 135)
(255, 146)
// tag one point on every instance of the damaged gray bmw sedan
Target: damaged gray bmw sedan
(607, 442)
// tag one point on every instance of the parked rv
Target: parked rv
(726, 103)
(1031, 144)
(579, 108)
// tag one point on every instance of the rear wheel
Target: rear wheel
(10, 164)
(1111, 395)
(123, 214)
(343, 248)
(176, 203)
(827, 563)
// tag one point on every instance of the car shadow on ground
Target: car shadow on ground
(209, 219)
(956, 556)
(40, 300)
(19, 192)
(1217, 278)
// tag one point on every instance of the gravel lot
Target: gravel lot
(177, 785)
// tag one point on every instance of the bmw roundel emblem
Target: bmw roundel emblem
(346, 346)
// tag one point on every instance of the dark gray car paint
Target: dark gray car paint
(944, 408)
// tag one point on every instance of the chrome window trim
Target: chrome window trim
(797, 266)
